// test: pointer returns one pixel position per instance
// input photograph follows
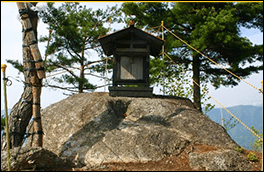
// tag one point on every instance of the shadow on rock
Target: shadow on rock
(154, 119)
(93, 132)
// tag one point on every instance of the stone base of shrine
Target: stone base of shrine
(130, 91)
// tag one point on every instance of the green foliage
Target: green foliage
(151, 13)
(251, 15)
(133, 85)
(174, 82)
(2, 123)
(211, 28)
(230, 123)
(252, 157)
(75, 32)
(257, 145)
(240, 149)
(16, 64)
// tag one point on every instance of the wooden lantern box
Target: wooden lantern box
(131, 48)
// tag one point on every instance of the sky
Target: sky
(11, 48)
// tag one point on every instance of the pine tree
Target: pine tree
(214, 30)
(74, 30)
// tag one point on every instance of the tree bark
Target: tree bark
(37, 72)
(21, 112)
(27, 26)
(18, 119)
(196, 78)
(36, 92)
(80, 90)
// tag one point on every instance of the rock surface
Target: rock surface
(36, 158)
(225, 160)
(91, 129)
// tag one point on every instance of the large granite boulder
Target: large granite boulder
(94, 128)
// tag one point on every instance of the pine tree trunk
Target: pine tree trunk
(81, 82)
(25, 14)
(36, 92)
(37, 72)
(18, 119)
(196, 77)
(21, 112)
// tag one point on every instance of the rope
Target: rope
(29, 84)
(153, 29)
(213, 61)
(216, 100)
(58, 73)
(78, 68)
(7, 81)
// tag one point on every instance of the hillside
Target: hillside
(249, 115)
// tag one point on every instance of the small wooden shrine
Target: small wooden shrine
(131, 49)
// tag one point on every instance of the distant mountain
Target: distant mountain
(249, 115)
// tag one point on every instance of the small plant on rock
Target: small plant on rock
(252, 157)
(257, 145)
(240, 149)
